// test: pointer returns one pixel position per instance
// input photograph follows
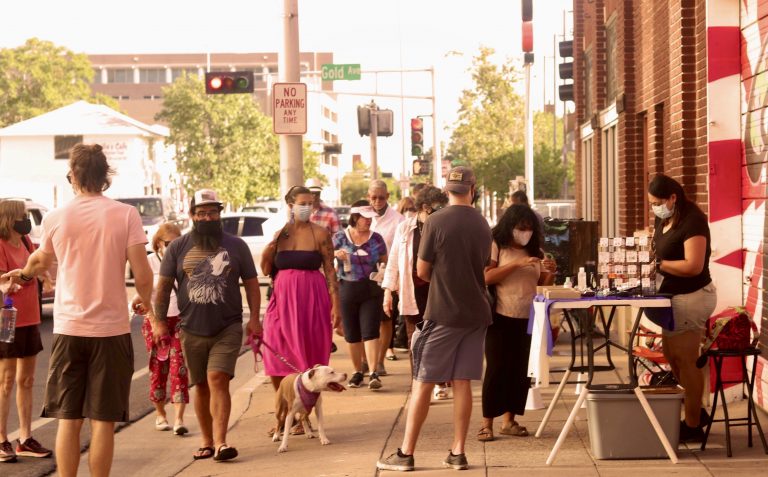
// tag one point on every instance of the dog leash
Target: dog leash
(257, 341)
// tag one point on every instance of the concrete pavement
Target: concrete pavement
(364, 425)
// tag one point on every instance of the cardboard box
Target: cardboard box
(557, 291)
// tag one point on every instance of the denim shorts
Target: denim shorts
(691, 310)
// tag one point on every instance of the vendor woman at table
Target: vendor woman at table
(682, 247)
(517, 265)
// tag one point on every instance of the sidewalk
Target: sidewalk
(364, 425)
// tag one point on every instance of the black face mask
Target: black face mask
(475, 196)
(208, 227)
(23, 226)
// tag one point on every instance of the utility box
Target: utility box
(619, 428)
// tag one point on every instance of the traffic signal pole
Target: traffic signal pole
(373, 136)
(291, 153)
(437, 159)
(528, 135)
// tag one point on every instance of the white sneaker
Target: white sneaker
(440, 393)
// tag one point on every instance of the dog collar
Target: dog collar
(308, 398)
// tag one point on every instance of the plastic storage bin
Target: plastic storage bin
(619, 429)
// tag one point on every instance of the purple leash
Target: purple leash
(256, 343)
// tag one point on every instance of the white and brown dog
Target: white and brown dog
(298, 394)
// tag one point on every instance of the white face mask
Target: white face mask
(302, 212)
(662, 211)
(522, 237)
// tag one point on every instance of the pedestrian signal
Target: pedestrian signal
(420, 167)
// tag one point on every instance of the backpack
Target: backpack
(730, 330)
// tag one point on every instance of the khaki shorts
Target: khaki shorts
(443, 353)
(89, 377)
(212, 353)
(691, 310)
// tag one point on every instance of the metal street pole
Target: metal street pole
(529, 135)
(437, 159)
(291, 154)
(374, 134)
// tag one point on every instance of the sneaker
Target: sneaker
(356, 380)
(690, 434)
(364, 368)
(374, 381)
(457, 462)
(398, 462)
(31, 448)
(6, 452)
(381, 370)
(440, 393)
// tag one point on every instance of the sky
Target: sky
(395, 34)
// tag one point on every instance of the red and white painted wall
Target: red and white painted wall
(738, 29)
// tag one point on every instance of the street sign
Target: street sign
(289, 108)
(331, 72)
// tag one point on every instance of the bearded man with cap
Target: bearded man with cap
(205, 267)
(455, 247)
(322, 215)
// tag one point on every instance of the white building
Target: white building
(34, 154)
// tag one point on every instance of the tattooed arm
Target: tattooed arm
(326, 250)
(162, 301)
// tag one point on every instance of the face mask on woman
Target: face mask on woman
(522, 237)
(302, 212)
(662, 211)
(23, 226)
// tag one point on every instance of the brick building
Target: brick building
(678, 87)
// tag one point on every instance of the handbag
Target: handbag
(490, 290)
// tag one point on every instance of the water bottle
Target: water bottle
(163, 348)
(8, 321)
(581, 281)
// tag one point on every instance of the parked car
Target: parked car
(155, 210)
(256, 228)
(343, 212)
(271, 207)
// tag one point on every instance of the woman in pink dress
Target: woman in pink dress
(303, 308)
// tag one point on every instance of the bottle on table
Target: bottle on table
(581, 280)
(8, 321)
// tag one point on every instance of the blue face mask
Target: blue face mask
(661, 211)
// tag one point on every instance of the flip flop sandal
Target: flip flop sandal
(514, 430)
(485, 434)
(225, 453)
(203, 453)
(298, 430)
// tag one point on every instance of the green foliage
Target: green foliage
(39, 76)
(354, 185)
(490, 132)
(225, 142)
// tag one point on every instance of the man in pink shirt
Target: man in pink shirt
(92, 356)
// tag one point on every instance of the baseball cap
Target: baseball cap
(204, 197)
(365, 210)
(460, 180)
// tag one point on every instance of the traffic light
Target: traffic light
(417, 137)
(420, 167)
(565, 69)
(527, 10)
(230, 82)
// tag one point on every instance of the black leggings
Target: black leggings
(361, 310)
(506, 381)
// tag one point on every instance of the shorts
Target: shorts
(204, 354)
(361, 310)
(89, 377)
(691, 310)
(443, 353)
(26, 343)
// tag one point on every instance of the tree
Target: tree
(490, 131)
(225, 142)
(354, 185)
(39, 76)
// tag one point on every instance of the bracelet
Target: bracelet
(25, 278)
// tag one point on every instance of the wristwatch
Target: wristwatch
(658, 263)
(25, 278)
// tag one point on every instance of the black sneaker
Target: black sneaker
(374, 381)
(31, 448)
(398, 462)
(7, 454)
(456, 462)
(690, 434)
(356, 380)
